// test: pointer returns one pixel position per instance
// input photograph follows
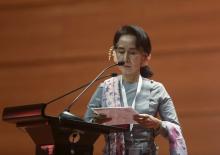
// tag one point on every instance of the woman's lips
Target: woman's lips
(126, 66)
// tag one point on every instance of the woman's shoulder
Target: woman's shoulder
(109, 81)
(152, 83)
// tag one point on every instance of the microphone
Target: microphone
(121, 63)
(72, 91)
(66, 113)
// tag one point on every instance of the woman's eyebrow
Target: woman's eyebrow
(131, 48)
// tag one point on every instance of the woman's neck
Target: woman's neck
(130, 79)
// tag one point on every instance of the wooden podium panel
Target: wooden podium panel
(55, 136)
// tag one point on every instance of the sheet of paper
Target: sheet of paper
(119, 115)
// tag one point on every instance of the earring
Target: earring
(110, 53)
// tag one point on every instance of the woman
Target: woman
(134, 88)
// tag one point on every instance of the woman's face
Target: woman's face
(134, 58)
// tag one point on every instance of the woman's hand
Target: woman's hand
(147, 121)
(100, 118)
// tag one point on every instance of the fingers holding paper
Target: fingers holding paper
(100, 118)
(147, 121)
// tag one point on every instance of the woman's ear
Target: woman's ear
(146, 59)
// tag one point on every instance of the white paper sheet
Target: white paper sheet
(119, 115)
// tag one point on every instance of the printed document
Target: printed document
(118, 115)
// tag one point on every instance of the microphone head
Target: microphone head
(121, 63)
(114, 74)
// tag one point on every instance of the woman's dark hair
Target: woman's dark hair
(142, 42)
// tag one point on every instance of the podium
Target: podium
(56, 136)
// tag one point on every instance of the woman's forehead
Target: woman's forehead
(127, 41)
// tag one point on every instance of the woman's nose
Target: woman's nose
(126, 57)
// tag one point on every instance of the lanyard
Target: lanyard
(124, 96)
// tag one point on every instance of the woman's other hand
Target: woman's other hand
(100, 118)
(148, 121)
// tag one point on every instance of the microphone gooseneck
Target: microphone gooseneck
(83, 86)
(73, 102)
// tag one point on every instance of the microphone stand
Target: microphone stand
(72, 91)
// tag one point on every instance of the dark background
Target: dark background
(48, 47)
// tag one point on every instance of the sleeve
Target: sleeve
(177, 144)
(170, 127)
(166, 107)
(95, 102)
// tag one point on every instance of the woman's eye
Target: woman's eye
(134, 52)
(121, 51)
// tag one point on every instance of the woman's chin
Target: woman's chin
(128, 73)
